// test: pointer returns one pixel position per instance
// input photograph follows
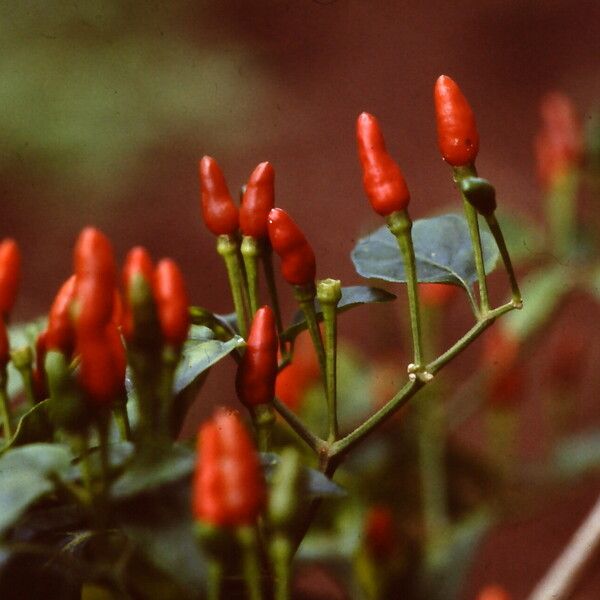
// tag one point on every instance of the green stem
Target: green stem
(329, 293)
(400, 225)
(267, 260)
(227, 247)
(251, 254)
(263, 418)
(345, 444)
(313, 442)
(473, 223)
(248, 539)
(4, 407)
(122, 419)
(281, 556)
(214, 578)
(499, 237)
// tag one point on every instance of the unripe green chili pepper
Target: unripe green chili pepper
(228, 488)
(458, 138)
(255, 381)
(60, 334)
(171, 302)
(257, 201)
(480, 193)
(10, 274)
(298, 264)
(219, 212)
(382, 179)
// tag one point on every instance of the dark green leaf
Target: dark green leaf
(145, 474)
(542, 292)
(25, 477)
(34, 426)
(352, 296)
(200, 352)
(442, 249)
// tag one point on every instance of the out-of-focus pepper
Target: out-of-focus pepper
(95, 271)
(60, 334)
(255, 381)
(228, 489)
(171, 302)
(458, 138)
(493, 592)
(258, 200)
(559, 143)
(437, 294)
(380, 539)
(382, 179)
(219, 212)
(506, 377)
(298, 264)
(10, 274)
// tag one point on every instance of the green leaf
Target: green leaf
(352, 296)
(442, 250)
(33, 426)
(542, 292)
(25, 477)
(200, 352)
(147, 474)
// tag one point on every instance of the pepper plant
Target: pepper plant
(97, 497)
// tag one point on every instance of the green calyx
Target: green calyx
(329, 291)
(480, 193)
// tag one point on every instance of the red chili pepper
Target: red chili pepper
(4, 345)
(559, 143)
(138, 269)
(380, 539)
(458, 138)
(255, 381)
(298, 265)
(103, 363)
(171, 302)
(228, 489)
(493, 592)
(60, 334)
(382, 179)
(258, 200)
(219, 212)
(437, 294)
(10, 274)
(96, 280)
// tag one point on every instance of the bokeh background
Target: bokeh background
(106, 107)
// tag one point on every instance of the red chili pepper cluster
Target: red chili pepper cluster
(219, 212)
(228, 489)
(559, 143)
(255, 381)
(382, 179)
(458, 138)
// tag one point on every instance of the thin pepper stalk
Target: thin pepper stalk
(22, 359)
(329, 293)
(227, 247)
(266, 257)
(247, 537)
(400, 224)
(4, 407)
(251, 251)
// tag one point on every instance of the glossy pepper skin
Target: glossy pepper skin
(95, 271)
(10, 274)
(60, 334)
(298, 264)
(258, 200)
(255, 381)
(382, 179)
(228, 488)
(458, 139)
(219, 212)
(172, 302)
(138, 276)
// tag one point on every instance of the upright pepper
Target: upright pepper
(10, 274)
(219, 212)
(458, 138)
(255, 381)
(382, 179)
(171, 302)
(258, 200)
(59, 333)
(298, 264)
(228, 488)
